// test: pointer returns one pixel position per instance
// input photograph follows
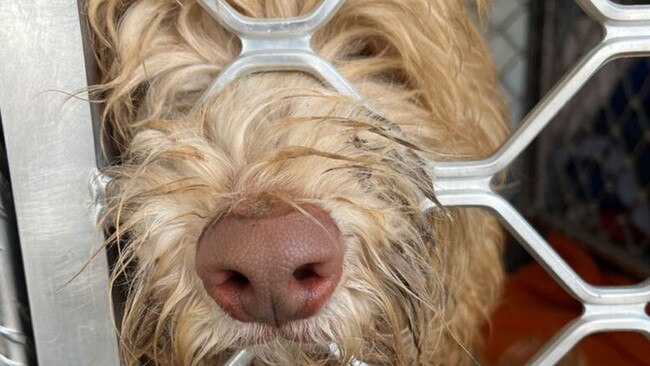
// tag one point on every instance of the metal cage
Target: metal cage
(593, 162)
(53, 160)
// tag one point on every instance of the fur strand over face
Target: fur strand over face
(415, 287)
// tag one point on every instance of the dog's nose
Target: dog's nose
(271, 268)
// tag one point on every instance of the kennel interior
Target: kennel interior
(585, 178)
(588, 173)
(584, 181)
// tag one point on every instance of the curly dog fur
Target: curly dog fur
(415, 287)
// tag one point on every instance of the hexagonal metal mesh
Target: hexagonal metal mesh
(627, 34)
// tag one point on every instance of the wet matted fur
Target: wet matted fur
(415, 287)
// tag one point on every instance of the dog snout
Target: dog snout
(273, 268)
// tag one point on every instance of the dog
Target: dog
(283, 217)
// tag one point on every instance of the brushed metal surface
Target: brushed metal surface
(51, 155)
(276, 44)
(13, 350)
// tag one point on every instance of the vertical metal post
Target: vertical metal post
(51, 153)
(13, 343)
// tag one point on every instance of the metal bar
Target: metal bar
(544, 112)
(247, 27)
(4, 361)
(542, 251)
(276, 45)
(240, 358)
(13, 343)
(607, 11)
(290, 59)
(594, 320)
(51, 155)
(627, 34)
(336, 352)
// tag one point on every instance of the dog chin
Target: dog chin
(292, 332)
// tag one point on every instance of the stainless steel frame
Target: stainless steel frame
(51, 153)
(13, 342)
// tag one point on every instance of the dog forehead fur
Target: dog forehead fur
(415, 288)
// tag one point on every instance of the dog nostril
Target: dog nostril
(236, 280)
(305, 272)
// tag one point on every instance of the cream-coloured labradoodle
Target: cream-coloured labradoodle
(282, 216)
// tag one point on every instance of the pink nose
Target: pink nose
(274, 268)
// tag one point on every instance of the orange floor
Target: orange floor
(535, 307)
